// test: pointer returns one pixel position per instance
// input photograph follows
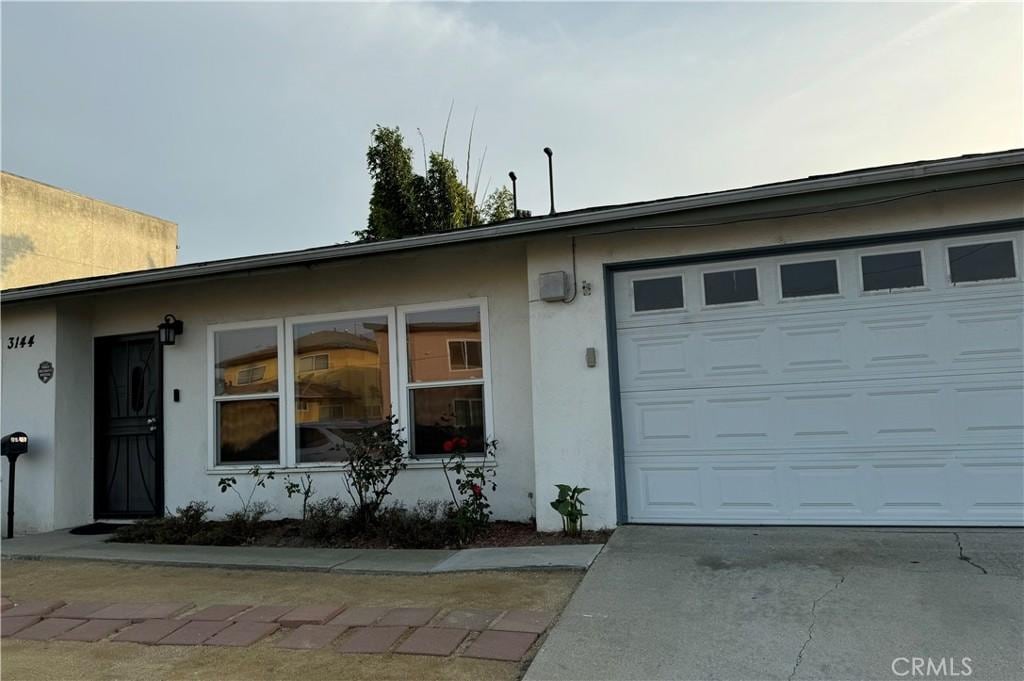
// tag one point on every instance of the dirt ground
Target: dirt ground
(87, 581)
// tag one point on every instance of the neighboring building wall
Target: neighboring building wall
(572, 405)
(496, 272)
(49, 234)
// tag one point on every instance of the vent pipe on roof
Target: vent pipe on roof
(515, 197)
(551, 178)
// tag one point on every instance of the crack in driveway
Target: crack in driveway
(810, 629)
(965, 558)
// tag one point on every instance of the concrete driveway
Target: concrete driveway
(794, 603)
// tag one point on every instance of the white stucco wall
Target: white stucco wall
(572, 418)
(496, 272)
(27, 404)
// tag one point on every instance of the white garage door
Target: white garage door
(877, 385)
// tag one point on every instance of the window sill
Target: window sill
(411, 464)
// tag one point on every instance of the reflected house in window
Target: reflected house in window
(248, 428)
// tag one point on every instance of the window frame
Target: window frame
(705, 305)
(800, 261)
(291, 456)
(212, 399)
(661, 310)
(860, 255)
(405, 385)
(981, 239)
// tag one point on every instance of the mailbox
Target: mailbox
(12, 446)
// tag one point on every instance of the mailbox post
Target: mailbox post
(12, 446)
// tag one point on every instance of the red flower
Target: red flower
(463, 442)
(477, 491)
(448, 445)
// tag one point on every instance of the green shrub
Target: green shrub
(327, 521)
(180, 527)
(428, 525)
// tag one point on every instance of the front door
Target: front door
(129, 433)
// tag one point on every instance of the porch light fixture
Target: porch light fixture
(171, 328)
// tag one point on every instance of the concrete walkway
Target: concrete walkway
(794, 603)
(61, 544)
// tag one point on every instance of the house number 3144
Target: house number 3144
(14, 342)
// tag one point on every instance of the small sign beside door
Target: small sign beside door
(45, 372)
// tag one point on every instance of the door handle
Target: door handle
(151, 422)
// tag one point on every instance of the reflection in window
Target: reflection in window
(464, 355)
(248, 431)
(732, 286)
(342, 384)
(801, 279)
(440, 413)
(665, 293)
(246, 397)
(427, 335)
(445, 383)
(888, 271)
(982, 262)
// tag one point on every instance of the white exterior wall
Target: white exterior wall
(572, 405)
(495, 272)
(28, 404)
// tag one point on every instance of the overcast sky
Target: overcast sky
(247, 124)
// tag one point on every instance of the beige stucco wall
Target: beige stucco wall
(50, 234)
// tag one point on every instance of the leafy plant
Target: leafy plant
(304, 487)
(570, 506)
(180, 527)
(327, 521)
(428, 525)
(259, 480)
(376, 457)
(472, 510)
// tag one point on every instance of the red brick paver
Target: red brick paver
(44, 630)
(408, 617)
(501, 645)
(242, 634)
(79, 610)
(311, 636)
(140, 611)
(264, 613)
(473, 620)
(93, 630)
(216, 613)
(150, 631)
(12, 625)
(372, 639)
(193, 633)
(360, 617)
(529, 621)
(309, 614)
(33, 608)
(433, 641)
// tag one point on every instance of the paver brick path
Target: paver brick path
(489, 634)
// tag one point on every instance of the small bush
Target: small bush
(327, 521)
(429, 525)
(179, 527)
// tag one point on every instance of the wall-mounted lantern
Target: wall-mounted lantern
(170, 329)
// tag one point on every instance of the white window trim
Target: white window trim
(800, 261)
(982, 239)
(212, 398)
(660, 310)
(731, 268)
(291, 449)
(404, 383)
(906, 248)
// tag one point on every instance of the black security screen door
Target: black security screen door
(129, 441)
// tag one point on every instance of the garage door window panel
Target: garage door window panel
(655, 295)
(731, 287)
(812, 279)
(883, 272)
(982, 262)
